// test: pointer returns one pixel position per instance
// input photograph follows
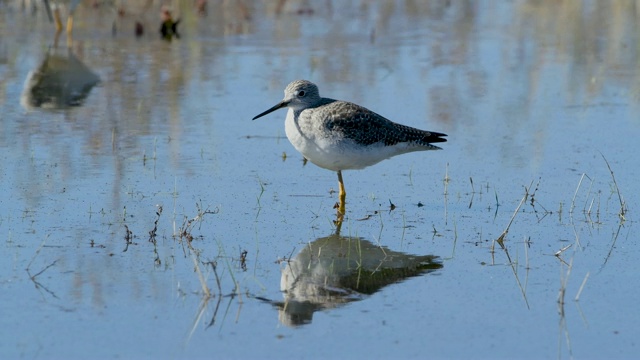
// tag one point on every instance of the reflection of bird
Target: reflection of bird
(335, 270)
(339, 135)
(59, 82)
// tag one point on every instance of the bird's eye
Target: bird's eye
(301, 93)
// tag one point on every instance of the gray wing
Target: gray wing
(366, 127)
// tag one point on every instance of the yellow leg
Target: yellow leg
(69, 24)
(341, 206)
(342, 195)
(338, 224)
(69, 30)
(56, 18)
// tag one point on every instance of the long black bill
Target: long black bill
(279, 105)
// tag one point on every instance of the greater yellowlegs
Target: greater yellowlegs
(56, 14)
(339, 135)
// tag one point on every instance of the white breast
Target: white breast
(329, 149)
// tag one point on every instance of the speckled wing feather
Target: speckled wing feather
(366, 127)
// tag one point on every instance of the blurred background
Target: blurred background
(102, 126)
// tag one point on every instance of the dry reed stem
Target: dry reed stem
(584, 281)
(623, 205)
(500, 239)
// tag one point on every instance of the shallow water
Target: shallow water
(538, 98)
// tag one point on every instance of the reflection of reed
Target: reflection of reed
(59, 82)
(335, 270)
(501, 239)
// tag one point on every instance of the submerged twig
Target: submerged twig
(152, 233)
(243, 260)
(37, 284)
(473, 192)
(152, 237)
(128, 237)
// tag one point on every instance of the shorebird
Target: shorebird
(339, 135)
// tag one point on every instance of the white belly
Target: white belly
(332, 151)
